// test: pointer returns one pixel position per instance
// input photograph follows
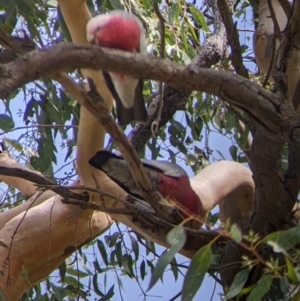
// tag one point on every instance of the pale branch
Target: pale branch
(140, 215)
(262, 105)
(233, 39)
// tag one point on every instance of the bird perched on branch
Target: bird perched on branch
(124, 31)
(169, 179)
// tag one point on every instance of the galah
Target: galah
(124, 31)
(169, 179)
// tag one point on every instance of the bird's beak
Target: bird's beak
(90, 38)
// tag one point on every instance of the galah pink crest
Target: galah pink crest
(124, 31)
(169, 179)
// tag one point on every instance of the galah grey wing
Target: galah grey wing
(168, 168)
(117, 170)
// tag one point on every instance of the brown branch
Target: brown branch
(233, 39)
(261, 104)
(41, 180)
(290, 40)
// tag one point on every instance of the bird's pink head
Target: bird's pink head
(119, 30)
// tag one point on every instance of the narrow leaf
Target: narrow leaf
(261, 288)
(236, 233)
(95, 286)
(176, 238)
(6, 122)
(143, 269)
(119, 254)
(2, 244)
(102, 250)
(238, 283)
(291, 273)
(62, 270)
(135, 247)
(2, 295)
(285, 240)
(196, 272)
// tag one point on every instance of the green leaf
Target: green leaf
(284, 240)
(62, 270)
(238, 283)
(2, 295)
(25, 273)
(176, 238)
(113, 239)
(233, 152)
(236, 233)
(198, 16)
(135, 247)
(118, 249)
(102, 250)
(128, 265)
(95, 286)
(2, 244)
(6, 123)
(261, 288)
(143, 269)
(109, 294)
(291, 273)
(59, 293)
(196, 272)
(174, 268)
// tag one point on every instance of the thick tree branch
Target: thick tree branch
(262, 105)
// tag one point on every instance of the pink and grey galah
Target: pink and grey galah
(169, 179)
(124, 31)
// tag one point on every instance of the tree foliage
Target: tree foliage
(213, 108)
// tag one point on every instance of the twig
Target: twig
(233, 39)
(155, 123)
(41, 180)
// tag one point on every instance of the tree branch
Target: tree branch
(262, 105)
(233, 39)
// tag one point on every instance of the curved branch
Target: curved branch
(228, 184)
(261, 104)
